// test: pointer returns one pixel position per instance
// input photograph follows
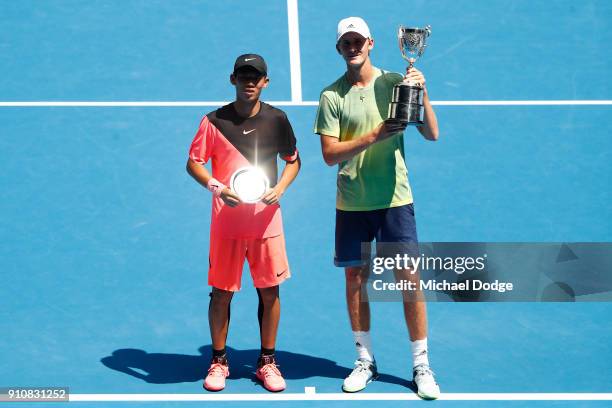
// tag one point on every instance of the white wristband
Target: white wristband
(215, 186)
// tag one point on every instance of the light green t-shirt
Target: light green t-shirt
(377, 177)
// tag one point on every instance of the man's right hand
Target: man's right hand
(389, 128)
(230, 198)
(335, 151)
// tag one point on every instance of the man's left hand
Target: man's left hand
(273, 196)
(414, 75)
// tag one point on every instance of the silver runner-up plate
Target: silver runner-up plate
(250, 184)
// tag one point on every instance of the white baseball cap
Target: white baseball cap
(355, 25)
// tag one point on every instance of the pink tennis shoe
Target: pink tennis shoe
(217, 373)
(269, 374)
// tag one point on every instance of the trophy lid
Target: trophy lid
(425, 31)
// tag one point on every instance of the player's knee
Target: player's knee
(268, 295)
(354, 276)
(221, 297)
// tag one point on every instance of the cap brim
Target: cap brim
(347, 32)
(262, 72)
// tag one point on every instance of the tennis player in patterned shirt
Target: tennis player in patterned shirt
(246, 133)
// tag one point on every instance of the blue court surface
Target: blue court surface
(105, 237)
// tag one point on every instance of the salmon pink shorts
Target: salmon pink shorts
(267, 260)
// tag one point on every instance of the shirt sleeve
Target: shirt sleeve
(287, 147)
(203, 143)
(327, 121)
(393, 78)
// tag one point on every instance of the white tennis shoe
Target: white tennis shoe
(423, 377)
(364, 372)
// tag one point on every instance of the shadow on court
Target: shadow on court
(165, 368)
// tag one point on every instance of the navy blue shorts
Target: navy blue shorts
(388, 226)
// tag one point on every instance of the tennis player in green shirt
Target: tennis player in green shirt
(374, 200)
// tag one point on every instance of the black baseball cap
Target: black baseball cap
(253, 61)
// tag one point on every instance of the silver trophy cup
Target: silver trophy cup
(407, 101)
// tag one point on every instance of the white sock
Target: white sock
(363, 345)
(419, 352)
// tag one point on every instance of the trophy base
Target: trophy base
(407, 104)
(412, 115)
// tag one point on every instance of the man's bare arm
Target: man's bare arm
(202, 176)
(334, 151)
(289, 174)
(429, 130)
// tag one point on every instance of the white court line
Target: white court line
(312, 396)
(523, 103)
(294, 51)
(179, 104)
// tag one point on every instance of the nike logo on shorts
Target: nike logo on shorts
(244, 132)
(278, 275)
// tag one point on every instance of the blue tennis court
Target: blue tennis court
(105, 237)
